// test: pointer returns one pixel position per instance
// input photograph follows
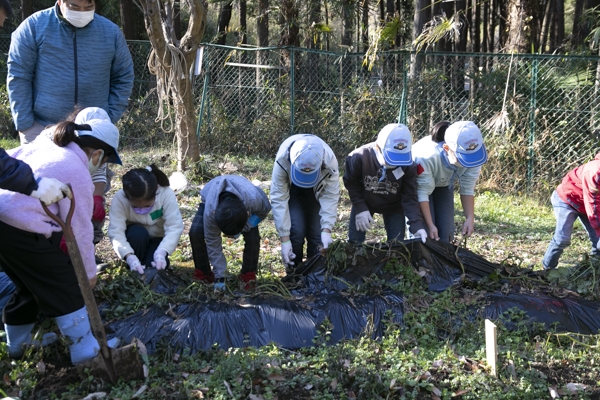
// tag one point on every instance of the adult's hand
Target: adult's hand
(51, 190)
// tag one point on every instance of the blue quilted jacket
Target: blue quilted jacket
(53, 66)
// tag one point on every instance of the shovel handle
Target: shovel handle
(82, 279)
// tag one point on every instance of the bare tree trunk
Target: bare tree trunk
(127, 19)
(26, 8)
(326, 23)
(560, 23)
(169, 60)
(484, 28)
(365, 25)
(578, 34)
(243, 22)
(224, 20)
(545, 27)
(289, 23)
(477, 27)
(516, 40)
(461, 6)
(502, 18)
(262, 23)
(347, 23)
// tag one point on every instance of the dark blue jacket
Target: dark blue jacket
(15, 175)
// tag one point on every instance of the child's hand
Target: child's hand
(134, 264)
(160, 261)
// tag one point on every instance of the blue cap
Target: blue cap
(395, 143)
(306, 156)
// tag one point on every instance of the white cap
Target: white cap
(105, 131)
(306, 156)
(465, 140)
(89, 113)
(395, 142)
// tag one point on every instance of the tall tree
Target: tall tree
(171, 61)
(347, 22)
(517, 22)
(364, 38)
(243, 22)
(262, 23)
(26, 8)
(224, 20)
(289, 23)
(127, 19)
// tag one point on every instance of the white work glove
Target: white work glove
(160, 260)
(421, 233)
(51, 190)
(326, 239)
(364, 221)
(286, 253)
(134, 264)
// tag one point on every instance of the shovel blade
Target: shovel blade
(127, 362)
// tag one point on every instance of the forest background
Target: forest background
(526, 72)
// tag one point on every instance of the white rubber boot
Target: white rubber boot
(76, 326)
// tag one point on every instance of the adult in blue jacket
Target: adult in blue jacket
(62, 57)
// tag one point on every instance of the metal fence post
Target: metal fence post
(204, 93)
(533, 105)
(292, 90)
(402, 112)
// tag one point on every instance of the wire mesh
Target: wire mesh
(539, 113)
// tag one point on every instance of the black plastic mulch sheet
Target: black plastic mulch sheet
(258, 321)
(321, 296)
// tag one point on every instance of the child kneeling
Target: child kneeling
(145, 222)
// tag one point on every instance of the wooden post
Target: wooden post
(491, 350)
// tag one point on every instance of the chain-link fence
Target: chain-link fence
(539, 113)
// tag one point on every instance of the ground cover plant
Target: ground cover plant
(437, 352)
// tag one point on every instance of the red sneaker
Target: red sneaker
(249, 278)
(200, 276)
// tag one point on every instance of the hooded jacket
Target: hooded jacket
(580, 188)
(53, 66)
(327, 190)
(255, 200)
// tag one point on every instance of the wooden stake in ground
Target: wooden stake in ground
(491, 351)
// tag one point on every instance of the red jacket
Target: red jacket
(580, 188)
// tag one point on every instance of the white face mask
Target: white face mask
(93, 168)
(78, 19)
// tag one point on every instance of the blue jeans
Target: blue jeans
(441, 205)
(565, 218)
(306, 222)
(7, 287)
(395, 226)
